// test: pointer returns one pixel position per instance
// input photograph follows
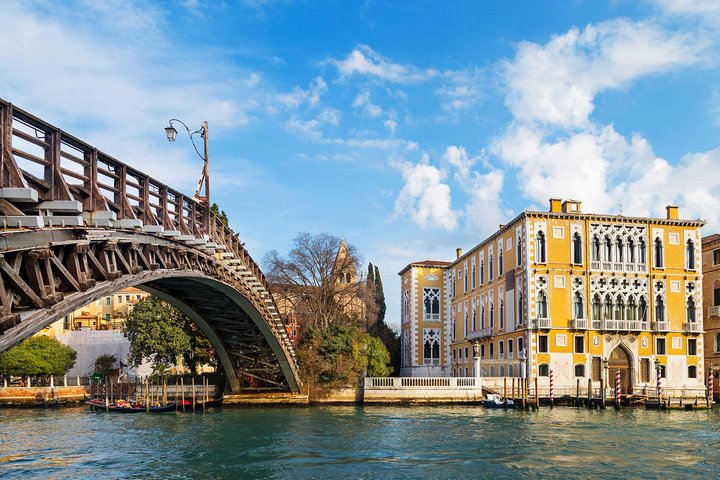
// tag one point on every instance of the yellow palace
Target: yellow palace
(574, 293)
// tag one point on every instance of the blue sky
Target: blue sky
(409, 128)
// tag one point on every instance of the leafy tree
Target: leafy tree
(104, 362)
(40, 355)
(161, 333)
(379, 295)
(340, 355)
(221, 215)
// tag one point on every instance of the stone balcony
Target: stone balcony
(540, 323)
(579, 324)
(661, 326)
(692, 327)
(479, 334)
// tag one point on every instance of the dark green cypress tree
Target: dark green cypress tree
(370, 276)
(379, 295)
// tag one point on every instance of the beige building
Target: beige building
(424, 337)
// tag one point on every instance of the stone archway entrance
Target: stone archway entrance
(620, 361)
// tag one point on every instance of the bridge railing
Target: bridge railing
(50, 172)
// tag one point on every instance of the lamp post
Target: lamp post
(171, 134)
(603, 384)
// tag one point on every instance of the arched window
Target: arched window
(482, 271)
(608, 249)
(482, 315)
(473, 274)
(492, 315)
(577, 249)
(631, 251)
(578, 308)
(642, 309)
(510, 346)
(501, 347)
(492, 349)
(595, 249)
(691, 310)
(466, 321)
(596, 307)
(619, 249)
(501, 315)
(520, 309)
(642, 252)
(474, 318)
(520, 345)
(692, 371)
(659, 253)
(620, 309)
(717, 342)
(542, 306)
(631, 310)
(500, 262)
(490, 263)
(540, 256)
(607, 308)
(659, 309)
(518, 252)
(690, 255)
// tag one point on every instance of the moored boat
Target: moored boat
(494, 400)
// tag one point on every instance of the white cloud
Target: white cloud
(102, 72)
(708, 10)
(362, 102)
(297, 96)
(556, 83)
(458, 158)
(365, 61)
(424, 197)
(391, 125)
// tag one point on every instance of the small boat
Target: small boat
(494, 400)
(123, 406)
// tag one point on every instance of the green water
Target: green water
(361, 443)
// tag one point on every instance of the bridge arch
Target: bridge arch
(41, 281)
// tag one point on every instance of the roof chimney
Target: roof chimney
(571, 206)
(458, 251)
(672, 212)
(556, 205)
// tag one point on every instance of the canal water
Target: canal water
(361, 443)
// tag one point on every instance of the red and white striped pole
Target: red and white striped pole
(552, 389)
(710, 386)
(617, 388)
(659, 388)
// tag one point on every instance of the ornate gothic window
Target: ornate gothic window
(620, 309)
(596, 307)
(482, 316)
(542, 305)
(431, 346)
(518, 252)
(607, 308)
(690, 255)
(659, 260)
(595, 249)
(608, 249)
(642, 309)
(431, 303)
(577, 249)
(659, 309)
(619, 249)
(473, 273)
(578, 310)
(492, 315)
(500, 262)
(540, 254)
(631, 310)
(631, 251)
(482, 272)
(490, 263)
(690, 310)
(642, 252)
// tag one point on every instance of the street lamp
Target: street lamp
(171, 133)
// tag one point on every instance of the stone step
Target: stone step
(19, 195)
(171, 233)
(60, 206)
(131, 223)
(22, 221)
(63, 221)
(152, 228)
(100, 218)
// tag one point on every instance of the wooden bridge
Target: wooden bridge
(77, 225)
